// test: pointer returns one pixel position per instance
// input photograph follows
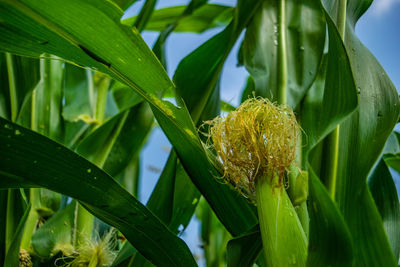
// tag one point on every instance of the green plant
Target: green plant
(79, 93)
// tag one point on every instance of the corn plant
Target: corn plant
(297, 175)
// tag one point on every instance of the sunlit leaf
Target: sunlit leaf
(48, 164)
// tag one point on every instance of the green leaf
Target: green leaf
(111, 145)
(303, 47)
(13, 70)
(393, 161)
(384, 192)
(12, 256)
(244, 250)
(203, 18)
(361, 139)
(32, 28)
(186, 198)
(124, 4)
(77, 90)
(56, 234)
(144, 15)
(47, 99)
(321, 112)
(161, 200)
(3, 214)
(39, 160)
(330, 242)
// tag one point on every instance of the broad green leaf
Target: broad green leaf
(213, 234)
(244, 250)
(227, 107)
(130, 175)
(361, 140)
(31, 28)
(384, 192)
(161, 202)
(186, 198)
(131, 138)
(124, 256)
(321, 113)
(12, 256)
(173, 200)
(39, 160)
(249, 89)
(124, 96)
(203, 18)
(3, 214)
(330, 242)
(304, 32)
(78, 89)
(56, 234)
(111, 145)
(162, 198)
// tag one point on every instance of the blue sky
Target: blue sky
(378, 29)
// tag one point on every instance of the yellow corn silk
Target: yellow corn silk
(256, 140)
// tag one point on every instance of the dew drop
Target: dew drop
(7, 126)
(194, 201)
(301, 48)
(17, 132)
(89, 170)
(275, 42)
(95, 178)
(358, 90)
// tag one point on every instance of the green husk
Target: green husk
(256, 145)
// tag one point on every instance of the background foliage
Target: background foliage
(81, 91)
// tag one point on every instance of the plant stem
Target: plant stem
(102, 90)
(341, 18)
(284, 241)
(12, 87)
(333, 156)
(33, 217)
(282, 56)
(334, 137)
(84, 222)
